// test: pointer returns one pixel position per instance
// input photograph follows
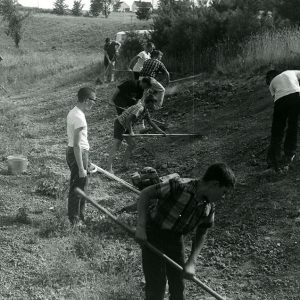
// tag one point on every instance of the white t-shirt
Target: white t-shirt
(142, 57)
(76, 119)
(284, 84)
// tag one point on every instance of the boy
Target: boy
(152, 68)
(139, 60)
(285, 89)
(110, 52)
(129, 92)
(181, 208)
(77, 152)
(123, 124)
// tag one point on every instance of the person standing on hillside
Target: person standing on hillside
(181, 208)
(285, 90)
(138, 61)
(129, 92)
(152, 68)
(110, 55)
(77, 152)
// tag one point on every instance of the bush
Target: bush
(143, 12)
(77, 8)
(60, 7)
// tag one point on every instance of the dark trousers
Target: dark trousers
(285, 116)
(157, 271)
(76, 204)
(136, 75)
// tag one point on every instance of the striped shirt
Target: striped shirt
(153, 67)
(180, 209)
(137, 111)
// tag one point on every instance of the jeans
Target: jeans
(285, 116)
(157, 271)
(76, 204)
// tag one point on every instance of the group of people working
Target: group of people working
(181, 207)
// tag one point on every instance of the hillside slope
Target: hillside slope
(252, 253)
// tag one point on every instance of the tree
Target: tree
(77, 8)
(14, 18)
(143, 12)
(60, 7)
(289, 9)
(98, 6)
(116, 5)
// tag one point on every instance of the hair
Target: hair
(222, 173)
(156, 53)
(270, 75)
(147, 80)
(149, 44)
(107, 40)
(84, 93)
(150, 99)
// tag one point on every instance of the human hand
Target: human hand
(82, 173)
(189, 270)
(131, 133)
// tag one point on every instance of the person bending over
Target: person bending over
(129, 92)
(285, 90)
(124, 124)
(180, 208)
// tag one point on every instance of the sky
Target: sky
(49, 3)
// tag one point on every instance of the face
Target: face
(90, 102)
(215, 192)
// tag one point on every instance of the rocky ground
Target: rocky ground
(252, 253)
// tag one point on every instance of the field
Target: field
(253, 251)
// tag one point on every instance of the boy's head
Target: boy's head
(146, 83)
(218, 180)
(149, 47)
(107, 40)
(156, 54)
(86, 97)
(150, 102)
(270, 75)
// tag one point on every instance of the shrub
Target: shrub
(77, 8)
(143, 12)
(85, 246)
(60, 7)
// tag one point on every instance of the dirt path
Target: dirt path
(252, 253)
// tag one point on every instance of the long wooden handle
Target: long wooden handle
(160, 134)
(131, 231)
(114, 177)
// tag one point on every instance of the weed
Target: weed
(85, 246)
(22, 215)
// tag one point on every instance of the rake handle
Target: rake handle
(147, 244)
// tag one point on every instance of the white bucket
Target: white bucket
(17, 164)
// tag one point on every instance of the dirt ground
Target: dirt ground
(252, 252)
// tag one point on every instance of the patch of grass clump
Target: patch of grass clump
(85, 247)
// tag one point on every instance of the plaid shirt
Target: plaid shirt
(180, 209)
(137, 110)
(152, 67)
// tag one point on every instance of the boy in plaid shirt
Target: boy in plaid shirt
(181, 208)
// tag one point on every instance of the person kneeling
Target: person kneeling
(124, 123)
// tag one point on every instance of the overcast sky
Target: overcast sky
(49, 3)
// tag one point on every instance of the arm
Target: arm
(142, 205)
(112, 100)
(133, 62)
(78, 152)
(190, 266)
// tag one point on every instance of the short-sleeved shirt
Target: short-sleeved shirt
(138, 111)
(127, 88)
(284, 84)
(76, 119)
(152, 68)
(111, 49)
(179, 208)
(142, 57)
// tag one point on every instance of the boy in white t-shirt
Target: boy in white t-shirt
(77, 152)
(285, 90)
(138, 60)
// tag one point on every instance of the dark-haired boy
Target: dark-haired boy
(129, 92)
(110, 55)
(124, 124)
(181, 208)
(78, 152)
(285, 90)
